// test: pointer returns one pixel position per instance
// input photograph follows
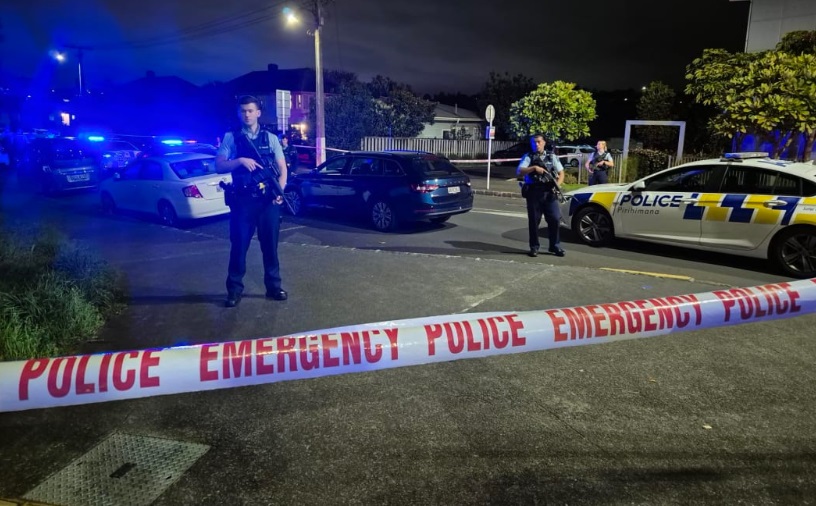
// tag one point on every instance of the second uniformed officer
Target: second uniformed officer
(538, 191)
(252, 206)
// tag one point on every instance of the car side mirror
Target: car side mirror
(639, 186)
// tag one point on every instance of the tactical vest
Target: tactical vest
(596, 159)
(541, 160)
(243, 149)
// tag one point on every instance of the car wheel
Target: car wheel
(108, 204)
(383, 216)
(440, 219)
(167, 215)
(46, 187)
(593, 226)
(794, 251)
(295, 202)
(574, 162)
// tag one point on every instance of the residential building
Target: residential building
(453, 122)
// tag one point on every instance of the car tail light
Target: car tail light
(424, 188)
(192, 192)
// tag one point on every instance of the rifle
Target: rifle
(268, 175)
(547, 178)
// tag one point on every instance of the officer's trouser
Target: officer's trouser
(598, 177)
(543, 202)
(247, 214)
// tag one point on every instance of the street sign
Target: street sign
(490, 113)
(490, 132)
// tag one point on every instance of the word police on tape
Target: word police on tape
(49, 382)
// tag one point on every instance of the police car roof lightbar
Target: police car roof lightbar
(746, 155)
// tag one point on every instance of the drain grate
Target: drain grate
(122, 470)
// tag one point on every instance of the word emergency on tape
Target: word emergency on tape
(63, 381)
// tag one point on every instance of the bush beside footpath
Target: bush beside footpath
(54, 294)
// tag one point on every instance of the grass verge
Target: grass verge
(54, 294)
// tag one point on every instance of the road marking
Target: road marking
(501, 213)
(653, 274)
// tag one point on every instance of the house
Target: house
(452, 122)
(287, 92)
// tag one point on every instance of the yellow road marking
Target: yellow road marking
(653, 274)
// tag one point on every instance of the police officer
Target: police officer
(252, 205)
(598, 166)
(541, 200)
(290, 153)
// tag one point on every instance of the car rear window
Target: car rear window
(194, 168)
(433, 166)
(68, 149)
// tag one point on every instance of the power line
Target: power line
(202, 30)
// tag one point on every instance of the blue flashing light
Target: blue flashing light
(96, 138)
(107, 155)
(172, 142)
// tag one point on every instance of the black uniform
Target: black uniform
(253, 207)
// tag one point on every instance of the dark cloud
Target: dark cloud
(428, 44)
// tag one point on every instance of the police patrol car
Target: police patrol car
(744, 204)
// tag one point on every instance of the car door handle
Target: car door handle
(689, 201)
(774, 203)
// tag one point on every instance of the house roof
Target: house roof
(452, 112)
(263, 82)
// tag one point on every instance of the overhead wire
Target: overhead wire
(202, 30)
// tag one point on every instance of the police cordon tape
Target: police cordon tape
(482, 161)
(85, 379)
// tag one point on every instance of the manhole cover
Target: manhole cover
(122, 470)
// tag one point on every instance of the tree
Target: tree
(798, 42)
(770, 94)
(349, 116)
(501, 91)
(398, 111)
(555, 109)
(656, 104)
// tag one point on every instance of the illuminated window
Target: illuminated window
(66, 118)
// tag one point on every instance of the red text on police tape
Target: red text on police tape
(258, 357)
(760, 301)
(495, 331)
(115, 369)
(620, 318)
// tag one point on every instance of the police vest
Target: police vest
(597, 158)
(244, 149)
(541, 160)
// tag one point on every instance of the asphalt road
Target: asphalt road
(719, 416)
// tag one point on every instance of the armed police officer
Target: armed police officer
(599, 164)
(543, 175)
(247, 153)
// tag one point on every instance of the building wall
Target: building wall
(440, 127)
(769, 20)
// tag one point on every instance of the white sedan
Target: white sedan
(176, 187)
(744, 204)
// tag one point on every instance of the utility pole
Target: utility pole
(80, 54)
(320, 134)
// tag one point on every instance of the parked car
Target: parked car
(116, 154)
(744, 204)
(59, 164)
(389, 188)
(175, 187)
(514, 152)
(574, 156)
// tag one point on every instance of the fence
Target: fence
(449, 148)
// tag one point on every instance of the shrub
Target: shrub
(53, 294)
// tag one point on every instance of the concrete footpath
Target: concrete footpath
(714, 416)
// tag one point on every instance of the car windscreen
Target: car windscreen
(194, 168)
(433, 166)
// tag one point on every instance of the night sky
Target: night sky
(431, 45)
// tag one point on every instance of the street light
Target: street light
(320, 130)
(60, 57)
